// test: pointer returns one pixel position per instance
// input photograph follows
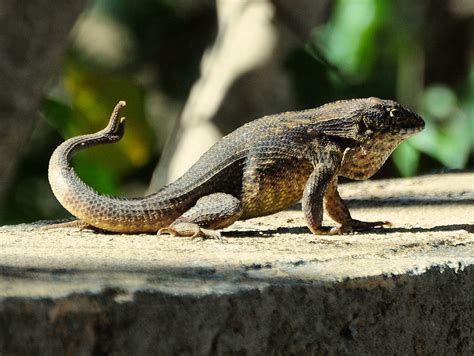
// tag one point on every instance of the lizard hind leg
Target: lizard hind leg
(79, 224)
(211, 212)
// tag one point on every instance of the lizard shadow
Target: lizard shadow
(303, 230)
(298, 230)
(400, 201)
(269, 233)
(454, 227)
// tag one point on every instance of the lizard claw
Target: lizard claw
(356, 225)
(207, 234)
(166, 231)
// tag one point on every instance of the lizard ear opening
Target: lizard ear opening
(363, 127)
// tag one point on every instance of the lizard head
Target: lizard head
(388, 117)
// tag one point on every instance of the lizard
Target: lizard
(263, 167)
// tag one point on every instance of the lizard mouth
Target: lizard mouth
(416, 126)
(407, 131)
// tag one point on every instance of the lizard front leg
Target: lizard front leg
(312, 202)
(338, 211)
(211, 212)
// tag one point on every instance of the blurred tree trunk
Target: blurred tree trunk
(242, 75)
(33, 36)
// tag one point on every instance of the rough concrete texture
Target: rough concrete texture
(269, 287)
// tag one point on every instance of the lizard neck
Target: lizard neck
(363, 161)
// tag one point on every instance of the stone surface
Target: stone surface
(268, 287)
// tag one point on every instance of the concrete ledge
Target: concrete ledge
(270, 287)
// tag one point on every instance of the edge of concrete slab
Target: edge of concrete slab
(272, 288)
(427, 313)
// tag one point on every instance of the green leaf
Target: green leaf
(58, 114)
(439, 101)
(406, 158)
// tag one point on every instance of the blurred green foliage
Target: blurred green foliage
(134, 51)
(376, 48)
(92, 96)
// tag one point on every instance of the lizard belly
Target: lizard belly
(274, 187)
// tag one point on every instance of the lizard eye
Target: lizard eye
(394, 113)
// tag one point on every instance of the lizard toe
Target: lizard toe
(207, 234)
(189, 229)
(166, 231)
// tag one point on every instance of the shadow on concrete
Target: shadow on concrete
(298, 230)
(404, 201)
(410, 201)
(454, 227)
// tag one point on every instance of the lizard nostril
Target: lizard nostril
(422, 122)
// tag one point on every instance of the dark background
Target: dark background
(64, 66)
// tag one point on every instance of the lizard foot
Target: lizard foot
(354, 225)
(189, 229)
(79, 224)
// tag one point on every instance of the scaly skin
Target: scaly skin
(262, 167)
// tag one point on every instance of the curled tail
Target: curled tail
(113, 132)
(146, 214)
